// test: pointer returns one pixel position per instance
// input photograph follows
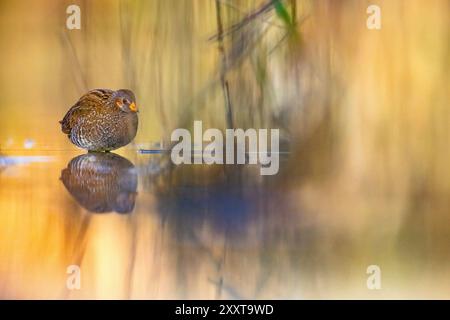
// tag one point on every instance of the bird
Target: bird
(102, 120)
(102, 182)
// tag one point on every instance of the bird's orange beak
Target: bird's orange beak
(133, 107)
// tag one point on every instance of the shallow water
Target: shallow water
(139, 227)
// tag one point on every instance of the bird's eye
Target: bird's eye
(126, 101)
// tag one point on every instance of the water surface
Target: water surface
(140, 227)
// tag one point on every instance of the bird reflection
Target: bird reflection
(101, 182)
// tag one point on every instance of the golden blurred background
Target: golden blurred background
(364, 114)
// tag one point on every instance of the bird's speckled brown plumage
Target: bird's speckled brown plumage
(102, 120)
(101, 182)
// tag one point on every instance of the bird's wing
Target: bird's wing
(83, 106)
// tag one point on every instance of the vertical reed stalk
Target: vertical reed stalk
(294, 12)
(223, 80)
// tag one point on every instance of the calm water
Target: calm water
(140, 228)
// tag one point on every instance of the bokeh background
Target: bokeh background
(364, 115)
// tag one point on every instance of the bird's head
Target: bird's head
(125, 100)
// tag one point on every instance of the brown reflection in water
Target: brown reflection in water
(101, 182)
